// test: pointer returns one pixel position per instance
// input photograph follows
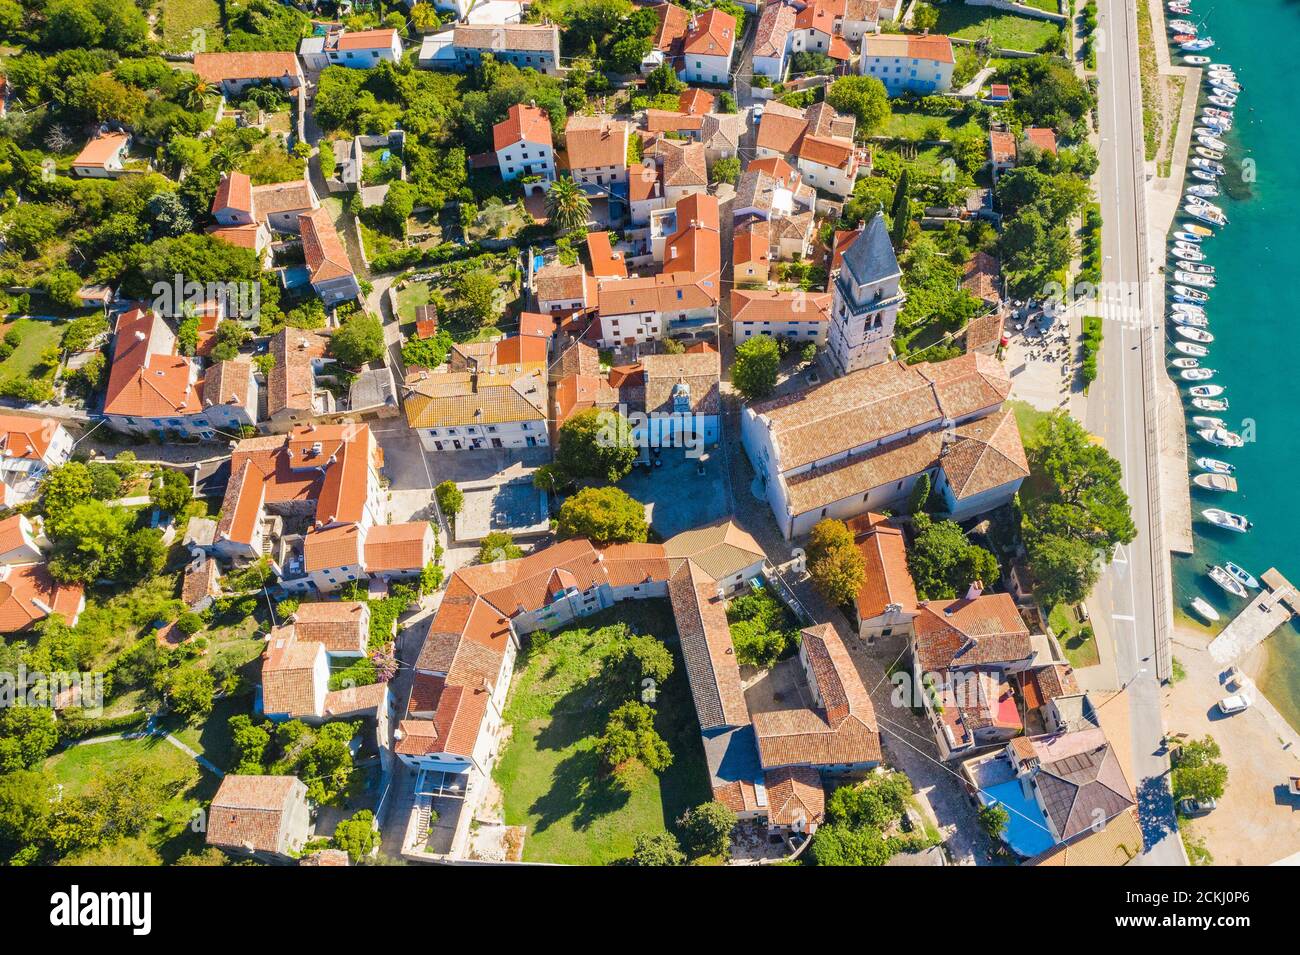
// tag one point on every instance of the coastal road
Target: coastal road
(1129, 605)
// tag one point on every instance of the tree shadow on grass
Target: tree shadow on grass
(579, 789)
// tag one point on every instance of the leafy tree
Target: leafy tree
(606, 515)
(901, 211)
(88, 542)
(663, 79)
(842, 845)
(755, 367)
(835, 564)
(171, 492)
(630, 737)
(920, 494)
(943, 562)
(876, 803)
(1074, 525)
(358, 341)
(105, 481)
(863, 97)
(249, 743)
(477, 295)
(27, 735)
(427, 352)
(1198, 774)
(450, 498)
(993, 819)
(25, 804)
(399, 202)
(189, 692)
(567, 205)
(726, 169)
(357, 836)
(657, 849)
(65, 487)
(706, 829)
(498, 545)
(143, 554)
(168, 216)
(634, 661)
(320, 757)
(596, 444)
(924, 17)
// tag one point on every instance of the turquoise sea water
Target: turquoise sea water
(1255, 316)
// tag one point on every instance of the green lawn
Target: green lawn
(212, 736)
(36, 337)
(1049, 6)
(180, 18)
(1008, 31)
(549, 774)
(410, 297)
(169, 835)
(904, 125)
(1077, 639)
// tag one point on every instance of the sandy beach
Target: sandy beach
(1257, 822)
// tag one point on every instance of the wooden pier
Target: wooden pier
(1272, 607)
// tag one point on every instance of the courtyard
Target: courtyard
(679, 491)
(551, 780)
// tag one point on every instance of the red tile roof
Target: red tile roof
(216, 67)
(523, 123)
(101, 149)
(322, 248)
(28, 593)
(714, 34)
(235, 191)
(145, 382)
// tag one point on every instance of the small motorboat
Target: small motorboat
(1195, 46)
(1225, 85)
(1213, 111)
(1204, 610)
(1205, 175)
(1221, 66)
(1194, 321)
(1188, 254)
(1205, 215)
(1213, 144)
(1228, 521)
(1205, 421)
(1195, 59)
(1200, 230)
(1209, 165)
(1220, 72)
(1210, 404)
(1197, 374)
(1188, 247)
(1190, 295)
(1185, 363)
(1207, 391)
(1187, 308)
(1189, 348)
(1205, 152)
(1181, 38)
(1225, 579)
(1241, 575)
(1194, 278)
(1197, 268)
(1186, 235)
(1221, 437)
(1215, 466)
(1216, 482)
(1195, 334)
(1182, 26)
(1226, 100)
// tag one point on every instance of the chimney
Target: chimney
(140, 336)
(975, 590)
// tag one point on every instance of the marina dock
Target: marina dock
(1272, 607)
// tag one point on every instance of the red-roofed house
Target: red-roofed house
(102, 157)
(332, 277)
(29, 449)
(799, 316)
(908, 63)
(523, 145)
(1002, 150)
(363, 48)
(596, 148)
(1042, 138)
(886, 601)
(707, 47)
(266, 817)
(605, 262)
(150, 387)
(234, 72)
(29, 594)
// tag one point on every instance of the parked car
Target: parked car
(1193, 807)
(1234, 704)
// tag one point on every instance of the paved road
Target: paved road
(1125, 606)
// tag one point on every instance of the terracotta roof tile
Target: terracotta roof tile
(248, 811)
(398, 547)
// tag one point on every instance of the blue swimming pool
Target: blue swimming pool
(1027, 831)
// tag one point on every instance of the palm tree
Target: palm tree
(567, 205)
(194, 91)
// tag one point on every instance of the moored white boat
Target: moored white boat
(1186, 235)
(1195, 334)
(1213, 111)
(1207, 391)
(1212, 143)
(1187, 308)
(1205, 421)
(1205, 152)
(1206, 191)
(1209, 165)
(1188, 319)
(1196, 59)
(1188, 255)
(1193, 278)
(1215, 466)
(1185, 363)
(1221, 437)
(1181, 26)
(1190, 295)
(1210, 404)
(1216, 482)
(1204, 175)
(1205, 215)
(1191, 348)
(1228, 521)
(1197, 374)
(1197, 268)
(1201, 43)
(1204, 610)
(1223, 578)
(1226, 100)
